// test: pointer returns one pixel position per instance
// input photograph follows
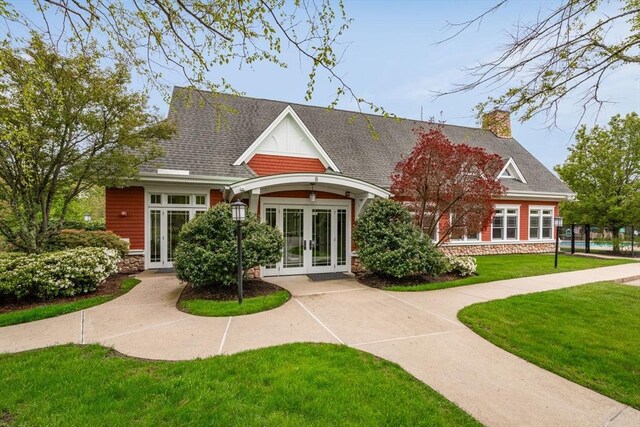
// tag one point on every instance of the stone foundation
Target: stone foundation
(498, 249)
(131, 264)
(474, 250)
(356, 264)
(252, 273)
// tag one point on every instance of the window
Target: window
(156, 199)
(505, 224)
(178, 199)
(540, 223)
(201, 199)
(459, 232)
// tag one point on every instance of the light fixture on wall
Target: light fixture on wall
(312, 195)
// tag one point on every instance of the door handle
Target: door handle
(304, 244)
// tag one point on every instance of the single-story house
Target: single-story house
(310, 171)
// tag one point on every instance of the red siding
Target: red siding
(129, 200)
(215, 197)
(263, 164)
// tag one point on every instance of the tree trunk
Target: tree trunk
(615, 239)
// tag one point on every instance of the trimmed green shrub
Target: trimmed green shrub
(389, 244)
(56, 274)
(206, 253)
(461, 265)
(95, 225)
(70, 239)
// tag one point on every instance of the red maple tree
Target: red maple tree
(448, 187)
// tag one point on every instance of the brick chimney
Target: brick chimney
(498, 122)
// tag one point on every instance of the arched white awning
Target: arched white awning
(360, 191)
(304, 180)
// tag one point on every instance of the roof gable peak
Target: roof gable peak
(511, 171)
(287, 135)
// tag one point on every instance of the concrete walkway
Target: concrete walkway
(417, 330)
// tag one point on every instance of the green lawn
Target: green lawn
(589, 334)
(501, 267)
(57, 309)
(204, 307)
(290, 385)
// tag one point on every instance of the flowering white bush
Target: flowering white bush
(461, 265)
(56, 274)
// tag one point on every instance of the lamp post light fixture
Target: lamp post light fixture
(87, 217)
(239, 214)
(557, 221)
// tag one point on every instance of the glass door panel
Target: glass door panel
(293, 232)
(155, 242)
(341, 232)
(321, 238)
(175, 221)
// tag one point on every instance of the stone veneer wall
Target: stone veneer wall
(498, 249)
(356, 264)
(494, 249)
(132, 264)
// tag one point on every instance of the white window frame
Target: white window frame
(541, 215)
(465, 237)
(504, 209)
(164, 206)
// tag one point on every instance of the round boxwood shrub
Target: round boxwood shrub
(206, 253)
(389, 244)
(71, 239)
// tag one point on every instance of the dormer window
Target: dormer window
(511, 171)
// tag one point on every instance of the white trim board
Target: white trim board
(287, 112)
(513, 171)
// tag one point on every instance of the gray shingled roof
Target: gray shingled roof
(210, 139)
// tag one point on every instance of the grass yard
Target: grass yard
(589, 334)
(501, 267)
(294, 384)
(56, 309)
(212, 308)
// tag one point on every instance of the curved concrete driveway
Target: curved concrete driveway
(419, 331)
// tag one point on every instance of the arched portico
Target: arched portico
(358, 190)
(314, 211)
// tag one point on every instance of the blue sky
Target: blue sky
(391, 59)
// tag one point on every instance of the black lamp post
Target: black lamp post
(557, 221)
(239, 213)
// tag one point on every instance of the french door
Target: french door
(164, 226)
(316, 238)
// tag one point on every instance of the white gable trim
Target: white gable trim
(288, 111)
(513, 170)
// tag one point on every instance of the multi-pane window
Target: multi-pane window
(540, 223)
(201, 199)
(505, 224)
(178, 199)
(459, 231)
(156, 199)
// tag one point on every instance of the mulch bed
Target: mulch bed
(110, 287)
(251, 288)
(374, 281)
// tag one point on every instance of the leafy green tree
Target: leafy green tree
(66, 125)
(603, 169)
